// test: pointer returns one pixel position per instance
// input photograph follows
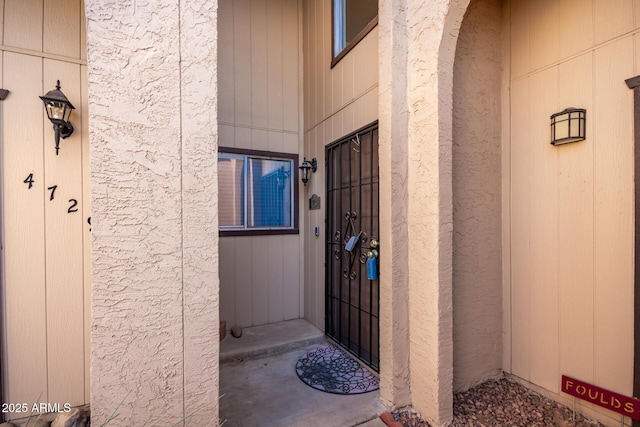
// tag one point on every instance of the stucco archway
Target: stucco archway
(477, 201)
(417, 48)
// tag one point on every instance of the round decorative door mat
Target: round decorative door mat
(330, 369)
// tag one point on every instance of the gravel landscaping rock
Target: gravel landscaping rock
(502, 403)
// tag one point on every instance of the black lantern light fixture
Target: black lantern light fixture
(58, 110)
(568, 126)
(305, 167)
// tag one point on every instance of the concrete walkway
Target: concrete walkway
(259, 385)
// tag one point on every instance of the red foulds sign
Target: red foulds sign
(624, 405)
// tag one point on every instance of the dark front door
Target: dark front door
(352, 286)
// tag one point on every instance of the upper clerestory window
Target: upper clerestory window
(352, 20)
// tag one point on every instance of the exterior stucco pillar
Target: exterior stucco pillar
(153, 131)
(417, 50)
(394, 197)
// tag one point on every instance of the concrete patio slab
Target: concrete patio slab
(259, 385)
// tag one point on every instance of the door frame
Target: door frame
(634, 83)
(3, 95)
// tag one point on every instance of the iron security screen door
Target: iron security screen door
(352, 292)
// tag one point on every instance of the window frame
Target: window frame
(269, 155)
(349, 46)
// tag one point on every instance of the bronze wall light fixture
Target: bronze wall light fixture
(568, 126)
(305, 167)
(58, 110)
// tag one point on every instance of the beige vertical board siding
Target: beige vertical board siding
(347, 118)
(242, 137)
(86, 229)
(83, 32)
(321, 60)
(64, 248)
(543, 27)
(636, 56)
(520, 233)
(243, 283)
(317, 252)
(291, 277)
(62, 28)
(274, 141)
(348, 77)
(1, 22)
(275, 275)
(274, 68)
(337, 86)
(226, 65)
(23, 24)
(227, 135)
(575, 233)
(242, 61)
(370, 101)
(24, 229)
(612, 18)
(310, 73)
(260, 112)
(613, 139)
(519, 14)
(259, 56)
(290, 143)
(305, 56)
(309, 267)
(227, 282)
(291, 93)
(260, 139)
(316, 23)
(260, 262)
(543, 228)
(326, 51)
(575, 27)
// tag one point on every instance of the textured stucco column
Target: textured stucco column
(153, 130)
(417, 47)
(394, 198)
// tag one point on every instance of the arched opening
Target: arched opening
(476, 181)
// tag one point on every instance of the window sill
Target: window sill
(263, 232)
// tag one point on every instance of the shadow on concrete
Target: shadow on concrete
(259, 385)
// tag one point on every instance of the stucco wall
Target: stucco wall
(153, 103)
(477, 259)
(419, 40)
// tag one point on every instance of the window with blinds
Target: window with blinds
(256, 192)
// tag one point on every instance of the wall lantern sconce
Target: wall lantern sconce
(568, 126)
(305, 167)
(58, 110)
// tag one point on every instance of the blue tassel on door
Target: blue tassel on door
(372, 268)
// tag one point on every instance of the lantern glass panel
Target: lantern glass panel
(562, 127)
(56, 111)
